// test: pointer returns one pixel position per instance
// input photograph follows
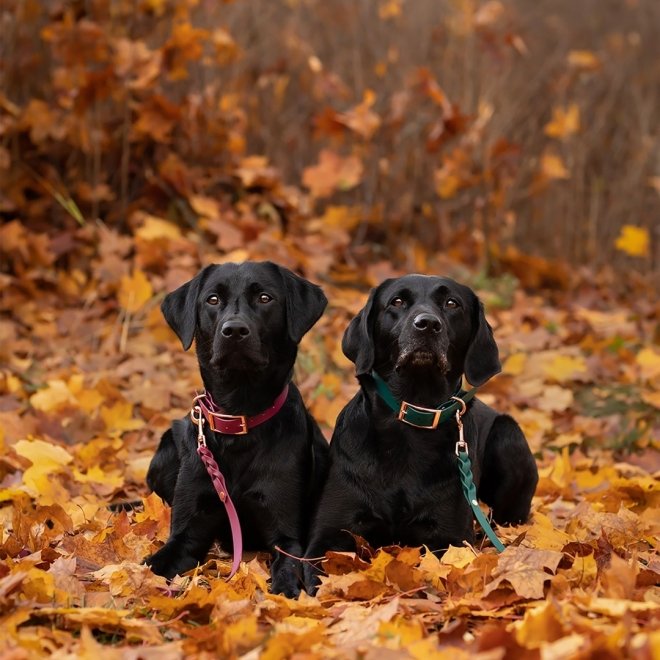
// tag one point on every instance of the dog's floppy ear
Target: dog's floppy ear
(305, 303)
(482, 360)
(358, 341)
(180, 308)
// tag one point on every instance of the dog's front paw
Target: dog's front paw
(286, 585)
(311, 578)
(169, 562)
(285, 574)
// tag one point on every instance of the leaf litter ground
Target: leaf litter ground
(90, 376)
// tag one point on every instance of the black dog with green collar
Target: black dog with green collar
(394, 476)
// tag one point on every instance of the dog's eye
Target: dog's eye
(396, 302)
(213, 299)
(265, 298)
(451, 303)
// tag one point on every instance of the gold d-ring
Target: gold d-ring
(463, 406)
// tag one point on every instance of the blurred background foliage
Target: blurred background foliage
(512, 136)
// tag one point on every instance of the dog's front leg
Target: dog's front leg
(192, 532)
(286, 571)
(509, 474)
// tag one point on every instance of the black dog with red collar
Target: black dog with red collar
(247, 320)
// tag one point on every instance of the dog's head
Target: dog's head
(245, 316)
(422, 326)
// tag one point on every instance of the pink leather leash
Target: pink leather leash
(220, 488)
(205, 409)
(236, 424)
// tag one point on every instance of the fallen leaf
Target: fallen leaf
(333, 172)
(525, 570)
(134, 292)
(565, 122)
(634, 241)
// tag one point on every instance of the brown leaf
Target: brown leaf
(525, 569)
(332, 173)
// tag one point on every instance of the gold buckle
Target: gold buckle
(436, 415)
(230, 418)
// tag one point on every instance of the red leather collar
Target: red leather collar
(221, 422)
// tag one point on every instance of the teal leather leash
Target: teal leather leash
(429, 418)
(467, 482)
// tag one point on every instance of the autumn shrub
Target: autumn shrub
(486, 130)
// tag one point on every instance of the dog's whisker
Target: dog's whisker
(310, 560)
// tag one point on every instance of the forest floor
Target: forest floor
(90, 376)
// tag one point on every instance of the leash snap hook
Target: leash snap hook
(198, 418)
(461, 445)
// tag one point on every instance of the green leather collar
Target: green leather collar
(423, 418)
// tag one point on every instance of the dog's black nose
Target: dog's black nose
(427, 323)
(235, 329)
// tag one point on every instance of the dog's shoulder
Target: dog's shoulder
(183, 436)
(489, 424)
(352, 424)
(482, 413)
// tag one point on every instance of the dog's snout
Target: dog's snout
(427, 323)
(235, 329)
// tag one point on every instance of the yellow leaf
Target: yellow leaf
(38, 585)
(561, 471)
(541, 624)
(617, 607)
(399, 633)
(544, 534)
(564, 368)
(154, 228)
(446, 184)
(43, 454)
(458, 557)
(514, 365)
(648, 361)
(90, 400)
(134, 291)
(287, 644)
(243, 634)
(652, 398)
(124, 579)
(427, 649)
(341, 217)
(566, 440)
(633, 241)
(434, 571)
(206, 207)
(565, 122)
(584, 570)
(583, 59)
(96, 474)
(56, 395)
(119, 417)
(377, 569)
(389, 9)
(47, 459)
(552, 167)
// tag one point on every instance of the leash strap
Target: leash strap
(220, 486)
(470, 492)
(423, 418)
(467, 481)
